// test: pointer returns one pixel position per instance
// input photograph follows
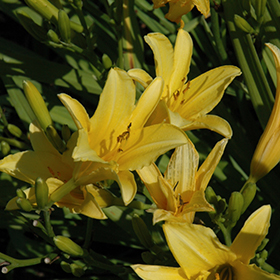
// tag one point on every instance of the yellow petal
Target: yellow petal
(144, 146)
(159, 3)
(210, 122)
(152, 272)
(163, 55)
(141, 76)
(206, 91)
(115, 107)
(159, 115)
(195, 247)
(208, 167)
(182, 168)
(251, 235)
(203, 6)
(147, 103)
(127, 185)
(39, 141)
(176, 10)
(182, 60)
(149, 175)
(242, 271)
(76, 110)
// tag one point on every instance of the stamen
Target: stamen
(225, 273)
(176, 94)
(125, 135)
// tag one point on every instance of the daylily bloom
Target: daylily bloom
(114, 140)
(186, 103)
(201, 256)
(177, 8)
(57, 170)
(267, 153)
(180, 193)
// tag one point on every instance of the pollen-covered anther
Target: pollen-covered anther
(176, 94)
(125, 135)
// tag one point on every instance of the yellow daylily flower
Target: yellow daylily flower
(115, 138)
(201, 256)
(267, 153)
(57, 170)
(177, 8)
(186, 103)
(180, 193)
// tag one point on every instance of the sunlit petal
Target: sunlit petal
(208, 167)
(152, 272)
(176, 10)
(251, 235)
(141, 76)
(127, 185)
(195, 247)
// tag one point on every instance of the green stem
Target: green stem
(48, 225)
(2, 116)
(15, 143)
(226, 232)
(88, 233)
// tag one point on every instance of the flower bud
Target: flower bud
(64, 26)
(24, 204)
(55, 139)
(235, 207)
(211, 196)
(20, 193)
(107, 62)
(52, 35)
(65, 133)
(248, 191)
(65, 267)
(68, 246)
(41, 193)
(243, 24)
(5, 148)
(37, 104)
(77, 270)
(14, 130)
(142, 232)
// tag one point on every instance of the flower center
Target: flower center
(224, 273)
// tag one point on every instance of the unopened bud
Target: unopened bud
(68, 246)
(65, 267)
(235, 206)
(248, 191)
(55, 139)
(142, 232)
(24, 204)
(21, 193)
(37, 104)
(107, 62)
(77, 270)
(243, 24)
(5, 148)
(64, 26)
(65, 133)
(211, 196)
(14, 130)
(52, 35)
(41, 193)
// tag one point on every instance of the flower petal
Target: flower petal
(211, 122)
(208, 167)
(176, 10)
(145, 145)
(152, 272)
(203, 6)
(252, 234)
(140, 76)
(182, 60)
(114, 109)
(76, 110)
(147, 103)
(127, 185)
(159, 115)
(205, 92)
(242, 271)
(163, 54)
(195, 247)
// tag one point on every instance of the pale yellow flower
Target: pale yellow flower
(180, 193)
(114, 140)
(186, 104)
(267, 153)
(177, 8)
(57, 170)
(201, 256)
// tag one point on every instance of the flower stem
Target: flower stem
(48, 225)
(88, 233)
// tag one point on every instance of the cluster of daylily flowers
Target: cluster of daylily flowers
(123, 136)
